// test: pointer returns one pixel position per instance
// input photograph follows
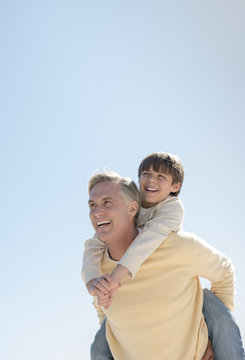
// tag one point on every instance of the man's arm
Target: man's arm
(211, 264)
(99, 310)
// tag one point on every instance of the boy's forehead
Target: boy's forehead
(159, 168)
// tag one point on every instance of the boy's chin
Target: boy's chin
(148, 204)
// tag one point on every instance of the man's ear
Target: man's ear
(133, 208)
(177, 186)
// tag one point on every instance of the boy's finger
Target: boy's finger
(97, 292)
(101, 288)
(104, 283)
(108, 278)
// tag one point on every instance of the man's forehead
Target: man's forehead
(107, 189)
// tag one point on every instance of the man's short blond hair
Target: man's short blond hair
(129, 189)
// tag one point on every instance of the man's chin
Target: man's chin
(103, 237)
(103, 240)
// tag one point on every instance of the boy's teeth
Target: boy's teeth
(150, 189)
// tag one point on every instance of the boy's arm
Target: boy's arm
(211, 264)
(168, 218)
(92, 256)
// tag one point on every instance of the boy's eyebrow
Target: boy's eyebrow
(158, 172)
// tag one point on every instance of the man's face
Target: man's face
(155, 187)
(109, 213)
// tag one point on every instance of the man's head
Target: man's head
(114, 204)
(160, 174)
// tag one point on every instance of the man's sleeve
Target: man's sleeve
(100, 312)
(168, 218)
(92, 257)
(211, 264)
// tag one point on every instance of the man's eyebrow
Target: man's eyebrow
(104, 198)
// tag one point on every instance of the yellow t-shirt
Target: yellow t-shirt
(158, 315)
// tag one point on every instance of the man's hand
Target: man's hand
(104, 301)
(208, 355)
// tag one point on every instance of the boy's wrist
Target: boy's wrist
(90, 282)
(119, 272)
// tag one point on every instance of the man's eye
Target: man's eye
(91, 206)
(107, 202)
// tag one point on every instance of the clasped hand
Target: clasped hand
(105, 288)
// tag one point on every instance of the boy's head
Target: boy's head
(160, 174)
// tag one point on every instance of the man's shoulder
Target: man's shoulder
(182, 237)
(182, 234)
(187, 239)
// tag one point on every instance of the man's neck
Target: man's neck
(116, 250)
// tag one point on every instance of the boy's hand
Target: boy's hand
(208, 355)
(102, 286)
(97, 287)
(111, 286)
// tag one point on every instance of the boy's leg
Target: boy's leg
(100, 349)
(222, 329)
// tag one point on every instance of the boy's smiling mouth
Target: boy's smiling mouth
(148, 189)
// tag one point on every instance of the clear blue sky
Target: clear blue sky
(91, 84)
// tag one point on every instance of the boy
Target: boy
(160, 179)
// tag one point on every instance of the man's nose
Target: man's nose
(98, 210)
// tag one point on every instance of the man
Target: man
(159, 314)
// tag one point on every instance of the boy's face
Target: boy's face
(155, 187)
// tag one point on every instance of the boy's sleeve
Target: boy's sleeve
(92, 256)
(168, 218)
(211, 264)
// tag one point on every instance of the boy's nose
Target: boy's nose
(152, 178)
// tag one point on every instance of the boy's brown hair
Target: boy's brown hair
(166, 163)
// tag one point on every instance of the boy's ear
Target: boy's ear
(176, 186)
(133, 208)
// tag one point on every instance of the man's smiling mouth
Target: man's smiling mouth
(103, 223)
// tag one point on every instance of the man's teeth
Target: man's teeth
(103, 223)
